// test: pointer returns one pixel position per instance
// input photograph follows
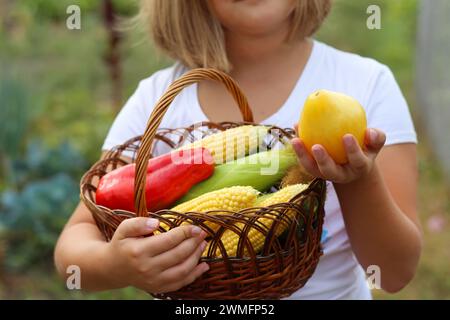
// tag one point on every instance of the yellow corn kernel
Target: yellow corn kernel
(230, 199)
(230, 239)
(233, 143)
(283, 195)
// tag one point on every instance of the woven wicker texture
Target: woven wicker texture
(285, 262)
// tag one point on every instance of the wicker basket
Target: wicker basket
(285, 263)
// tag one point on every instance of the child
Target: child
(371, 213)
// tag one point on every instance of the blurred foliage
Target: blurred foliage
(40, 162)
(56, 10)
(38, 202)
(16, 107)
(68, 68)
(33, 218)
(57, 98)
(393, 44)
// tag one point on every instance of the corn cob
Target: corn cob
(228, 199)
(260, 171)
(233, 143)
(262, 198)
(230, 239)
(231, 199)
(283, 195)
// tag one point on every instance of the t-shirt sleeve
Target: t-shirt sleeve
(129, 123)
(388, 110)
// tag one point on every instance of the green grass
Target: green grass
(47, 285)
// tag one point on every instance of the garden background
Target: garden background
(60, 90)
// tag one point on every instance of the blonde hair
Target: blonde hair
(187, 31)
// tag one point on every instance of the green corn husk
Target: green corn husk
(260, 171)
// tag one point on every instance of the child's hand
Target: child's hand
(359, 162)
(158, 263)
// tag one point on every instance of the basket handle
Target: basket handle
(160, 109)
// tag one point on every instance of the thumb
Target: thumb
(136, 227)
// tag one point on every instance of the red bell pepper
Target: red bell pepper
(169, 177)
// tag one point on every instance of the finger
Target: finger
(163, 242)
(374, 139)
(296, 128)
(357, 160)
(184, 270)
(136, 227)
(305, 158)
(196, 273)
(180, 253)
(327, 167)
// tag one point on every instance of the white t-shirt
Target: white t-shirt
(338, 274)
